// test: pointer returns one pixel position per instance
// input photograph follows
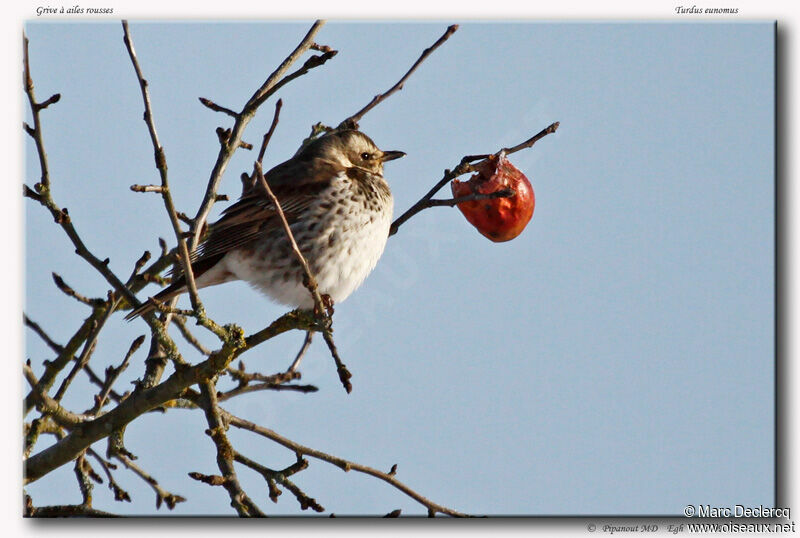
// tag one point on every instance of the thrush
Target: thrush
(338, 206)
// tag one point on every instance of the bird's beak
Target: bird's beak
(392, 155)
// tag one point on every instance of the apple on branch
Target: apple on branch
(499, 219)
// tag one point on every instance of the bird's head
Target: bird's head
(352, 148)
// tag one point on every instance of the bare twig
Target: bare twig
(352, 121)
(88, 349)
(310, 283)
(112, 374)
(296, 319)
(161, 165)
(54, 367)
(38, 426)
(58, 348)
(82, 473)
(61, 217)
(266, 386)
(119, 493)
(36, 130)
(162, 495)
(281, 477)
(268, 134)
(72, 293)
(243, 505)
(552, 128)
(50, 407)
(216, 108)
(244, 378)
(145, 257)
(147, 188)
(141, 401)
(242, 120)
(311, 63)
(180, 321)
(95, 379)
(67, 510)
(343, 464)
(306, 344)
(451, 202)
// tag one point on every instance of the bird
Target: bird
(338, 206)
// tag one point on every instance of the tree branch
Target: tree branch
(243, 505)
(36, 130)
(139, 402)
(162, 495)
(161, 165)
(352, 121)
(242, 120)
(268, 134)
(310, 283)
(58, 348)
(343, 464)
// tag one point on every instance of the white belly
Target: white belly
(341, 252)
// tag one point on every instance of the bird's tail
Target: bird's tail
(206, 273)
(173, 290)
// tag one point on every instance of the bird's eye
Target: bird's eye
(366, 156)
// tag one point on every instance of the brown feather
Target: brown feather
(296, 183)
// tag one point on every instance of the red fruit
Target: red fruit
(499, 219)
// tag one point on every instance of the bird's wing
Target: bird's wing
(296, 183)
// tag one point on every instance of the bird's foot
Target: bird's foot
(327, 302)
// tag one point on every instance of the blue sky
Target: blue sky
(616, 358)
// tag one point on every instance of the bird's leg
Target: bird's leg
(327, 302)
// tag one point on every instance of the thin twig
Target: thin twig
(67, 290)
(268, 134)
(352, 121)
(112, 374)
(161, 165)
(243, 505)
(162, 495)
(142, 400)
(88, 349)
(68, 510)
(54, 367)
(147, 188)
(119, 493)
(246, 377)
(95, 379)
(216, 108)
(36, 130)
(451, 202)
(43, 335)
(305, 389)
(310, 283)
(180, 321)
(242, 120)
(282, 477)
(343, 464)
(61, 217)
(50, 407)
(311, 63)
(299, 357)
(145, 257)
